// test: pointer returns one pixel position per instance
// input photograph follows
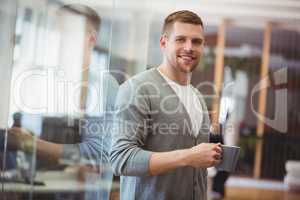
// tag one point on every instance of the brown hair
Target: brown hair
(87, 11)
(184, 16)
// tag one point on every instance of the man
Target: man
(161, 132)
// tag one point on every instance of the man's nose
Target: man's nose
(188, 45)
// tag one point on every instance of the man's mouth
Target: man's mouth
(187, 58)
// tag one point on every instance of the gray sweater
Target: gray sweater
(150, 118)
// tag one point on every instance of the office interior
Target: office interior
(251, 62)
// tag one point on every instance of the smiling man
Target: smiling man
(160, 146)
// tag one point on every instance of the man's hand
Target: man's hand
(18, 138)
(84, 170)
(22, 139)
(201, 156)
(204, 155)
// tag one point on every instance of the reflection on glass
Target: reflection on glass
(241, 72)
(8, 161)
(282, 110)
(60, 105)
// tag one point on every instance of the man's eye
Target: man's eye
(180, 40)
(198, 42)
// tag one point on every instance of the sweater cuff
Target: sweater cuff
(141, 166)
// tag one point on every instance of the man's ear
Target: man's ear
(93, 38)
(163, 41)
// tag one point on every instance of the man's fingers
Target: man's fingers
(217, 156)
(19, 131)
(217, 148)
(13, 129)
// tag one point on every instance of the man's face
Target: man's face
(183, 46)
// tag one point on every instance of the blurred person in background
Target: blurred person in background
(94, 146)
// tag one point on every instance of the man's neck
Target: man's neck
(179, 77)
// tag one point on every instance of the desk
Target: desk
(62, 182)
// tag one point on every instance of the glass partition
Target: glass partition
(56, 104)
(7, 27)
(281, 128)
(242, 64)
(61, 64)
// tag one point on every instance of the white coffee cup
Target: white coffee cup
(230, 155)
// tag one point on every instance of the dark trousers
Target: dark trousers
(219, 182)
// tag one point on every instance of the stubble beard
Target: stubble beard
(179, 67)
(185, 69)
